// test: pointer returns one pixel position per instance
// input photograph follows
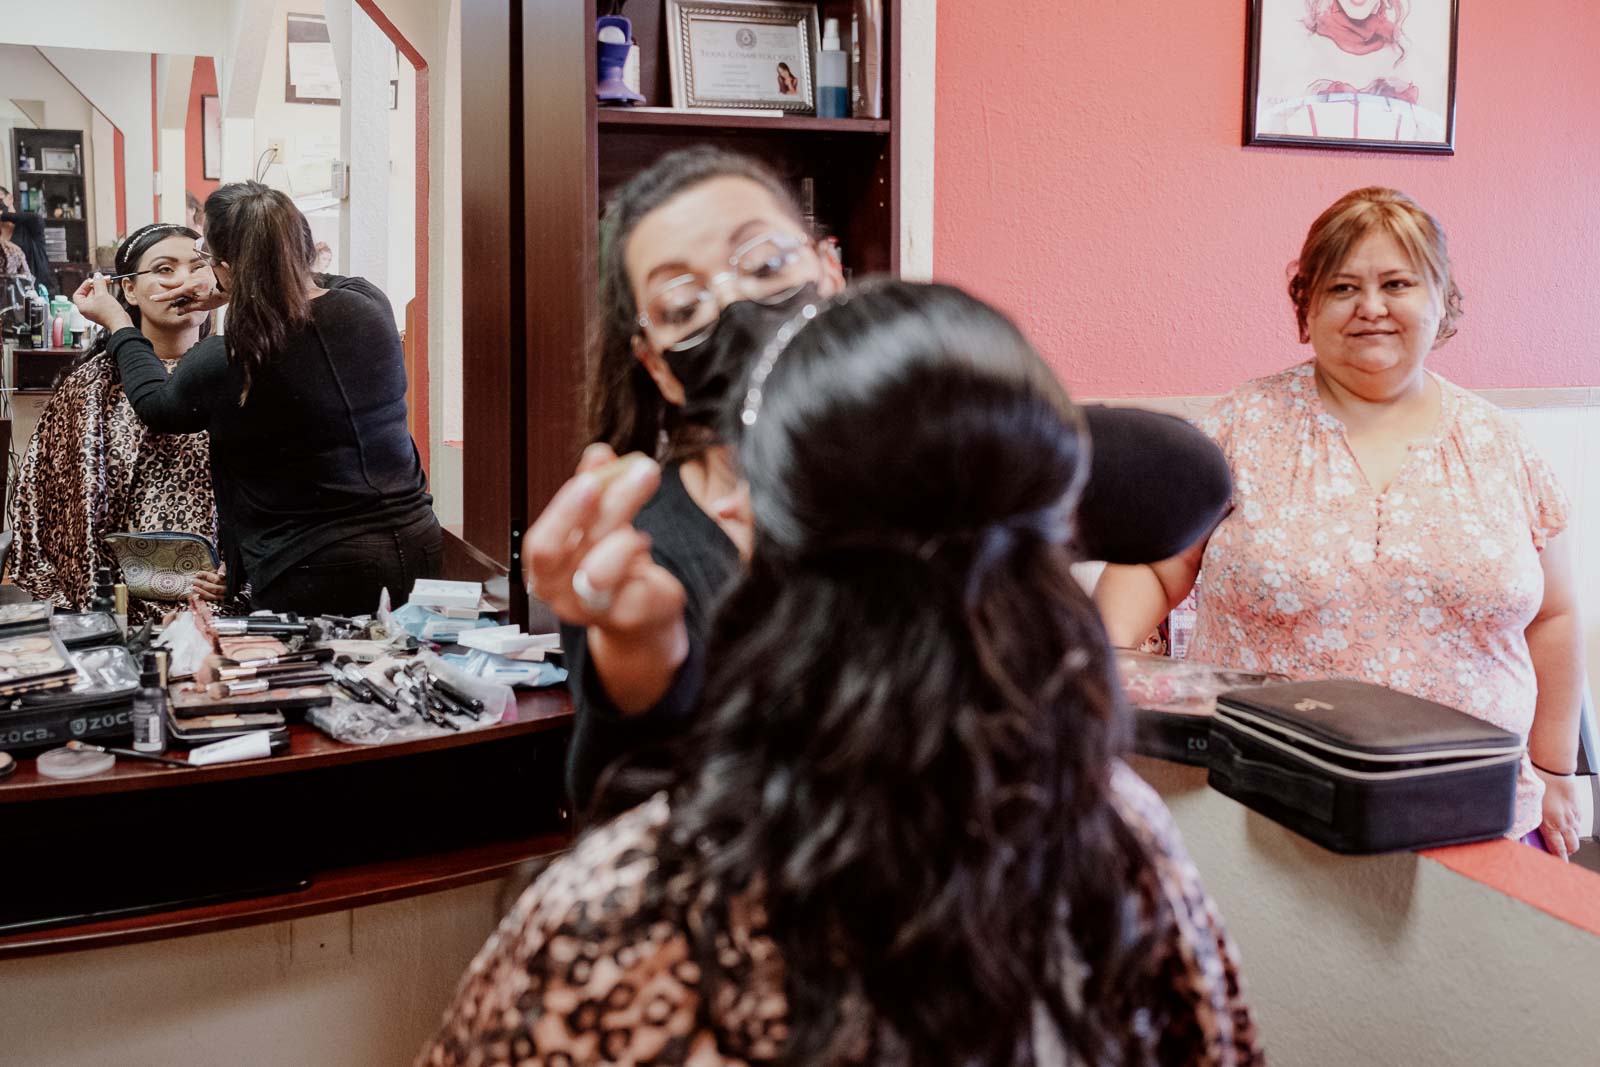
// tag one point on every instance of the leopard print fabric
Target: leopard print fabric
(91, 469)
(12, 259)
(594, 965)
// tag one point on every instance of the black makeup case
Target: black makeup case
(97, 707)
(1360, 768)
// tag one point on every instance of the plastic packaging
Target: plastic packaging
(187, 645)
(419, 621)
(833, 75)
(488, 667)
(372, 723)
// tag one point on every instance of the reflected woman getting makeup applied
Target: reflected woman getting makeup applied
(319, 488)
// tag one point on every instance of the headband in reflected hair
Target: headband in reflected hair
(140, 241)
(773, 352)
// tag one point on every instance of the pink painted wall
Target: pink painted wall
(1090, 181)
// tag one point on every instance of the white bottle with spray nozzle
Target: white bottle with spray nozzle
(833, 75)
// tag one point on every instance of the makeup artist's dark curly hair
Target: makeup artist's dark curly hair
(908, 734)
(624, 407)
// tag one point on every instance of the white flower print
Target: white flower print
(1305, 584)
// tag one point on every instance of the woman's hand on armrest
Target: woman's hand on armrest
(584, 559)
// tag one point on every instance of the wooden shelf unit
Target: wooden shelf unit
(57, 186)
(532, 128)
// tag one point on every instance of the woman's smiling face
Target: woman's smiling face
(1375, 320)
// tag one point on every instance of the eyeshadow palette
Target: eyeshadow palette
(27, 616)
(190, 701)
(31, 661)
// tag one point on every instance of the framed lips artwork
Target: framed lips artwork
(1373, 75)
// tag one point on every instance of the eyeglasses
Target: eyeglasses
(768, 270)
(203, 252)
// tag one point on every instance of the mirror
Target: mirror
(317, 98)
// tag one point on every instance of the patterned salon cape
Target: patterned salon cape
(92, 468)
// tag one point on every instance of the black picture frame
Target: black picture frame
(1395, 100)
(306, 30)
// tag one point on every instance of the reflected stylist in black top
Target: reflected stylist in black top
(321, 497)
(704, 255)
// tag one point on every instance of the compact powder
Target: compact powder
(8, 765)
(65, 763)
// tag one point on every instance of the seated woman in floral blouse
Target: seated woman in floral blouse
(92, 468)
(902, 833)
(1386, 525)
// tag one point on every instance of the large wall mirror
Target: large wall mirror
(327, 100)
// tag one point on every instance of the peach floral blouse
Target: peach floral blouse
(1427, 587)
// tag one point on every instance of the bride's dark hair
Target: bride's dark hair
(909, 731)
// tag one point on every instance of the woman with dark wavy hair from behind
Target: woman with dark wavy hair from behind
(320, 491)
(907, 836)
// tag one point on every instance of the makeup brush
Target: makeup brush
(84, 746)
(246, 686)
(271, 670)
(310, 655)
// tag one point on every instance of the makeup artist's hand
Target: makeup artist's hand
(94, 299)
(585, 560)
(211, 585)
(200, 293)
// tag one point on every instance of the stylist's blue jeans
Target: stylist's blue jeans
(346, 577)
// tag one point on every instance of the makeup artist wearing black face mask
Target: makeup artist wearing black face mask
(320, 492)
(703, 255)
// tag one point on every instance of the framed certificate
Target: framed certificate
(755, 54)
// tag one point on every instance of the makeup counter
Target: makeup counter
(322, 903)
(161, 842)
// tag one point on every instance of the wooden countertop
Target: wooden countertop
(359, 824)
(309, 749)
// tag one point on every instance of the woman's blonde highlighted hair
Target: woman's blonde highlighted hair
(1351, 218)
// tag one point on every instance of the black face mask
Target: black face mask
(712, 369)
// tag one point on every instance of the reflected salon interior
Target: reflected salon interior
(638, 531)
